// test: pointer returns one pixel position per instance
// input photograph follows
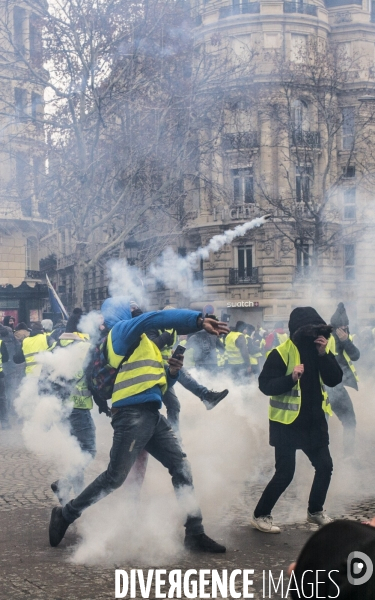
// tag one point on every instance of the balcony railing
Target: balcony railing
(30, 274)
(239, 9)
(240, 140)
(306, 138)
(245, 276)
(301, 7)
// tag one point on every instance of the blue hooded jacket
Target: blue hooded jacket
(127, 331)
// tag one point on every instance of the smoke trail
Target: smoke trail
(218, 241)
(176, 272)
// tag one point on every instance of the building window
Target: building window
(36, 48)
(303, 183)
(36, 106)
(243, 186)
(303, 259)
(348, 127)
(22, 174)
(32, 262)
(349, 262)
(348, 172)
(350, 203)
(298, 48)
(20, 101)
(300, 117)
(244, 261)
(19, 18)
(372, 17)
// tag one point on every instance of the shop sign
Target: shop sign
(242, 304)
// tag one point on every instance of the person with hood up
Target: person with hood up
(37, 342)
(140, 383)
(75, 394)
(294, 376)
(342, 346)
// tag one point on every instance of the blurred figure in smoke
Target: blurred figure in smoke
(137, 397)
(293, 375)
(206, 349)
(237, 353)
(342, 346)
(165, 340)
(276, 337)
(9, 374)
(9, 321)
(253, 348)
(77, 395)
(31, 346)
(4, 357)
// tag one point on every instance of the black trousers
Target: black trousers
(285, 464)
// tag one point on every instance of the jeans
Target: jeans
(137, 428)
(342, 406)
(171, 401)
(285, 459)
(82, 427)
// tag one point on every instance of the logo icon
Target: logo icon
(359, 568)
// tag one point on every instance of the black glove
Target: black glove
(168, 338)
(104, 408)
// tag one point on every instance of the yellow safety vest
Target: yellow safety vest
(31, 346)
(80, 395)
(143, 370)
(234, 356)
(221, 358)
(166, 352)
(332, 347)
(285, 408)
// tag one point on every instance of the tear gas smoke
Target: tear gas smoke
(174, 271)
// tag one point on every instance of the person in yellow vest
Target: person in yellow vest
(78, 398)
(294, 376)
(342, 346)
(253, 348)
(237, 353)
(37, 342)
(140, 383)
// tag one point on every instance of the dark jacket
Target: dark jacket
(310, 428)
(352, 351)
(9, 347)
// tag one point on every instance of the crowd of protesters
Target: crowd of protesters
(305, 370)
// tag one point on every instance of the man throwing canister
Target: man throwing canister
(293, 376)
(140, 383)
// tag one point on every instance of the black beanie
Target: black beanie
(339, 317)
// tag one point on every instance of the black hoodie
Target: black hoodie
(310, 428)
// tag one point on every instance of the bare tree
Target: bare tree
(130, 125)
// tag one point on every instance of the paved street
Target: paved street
(29, 568)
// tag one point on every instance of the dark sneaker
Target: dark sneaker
(211, 398)
(202, 543)
(57, 526)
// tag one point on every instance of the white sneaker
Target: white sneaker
(264, 524)
(319, 518)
